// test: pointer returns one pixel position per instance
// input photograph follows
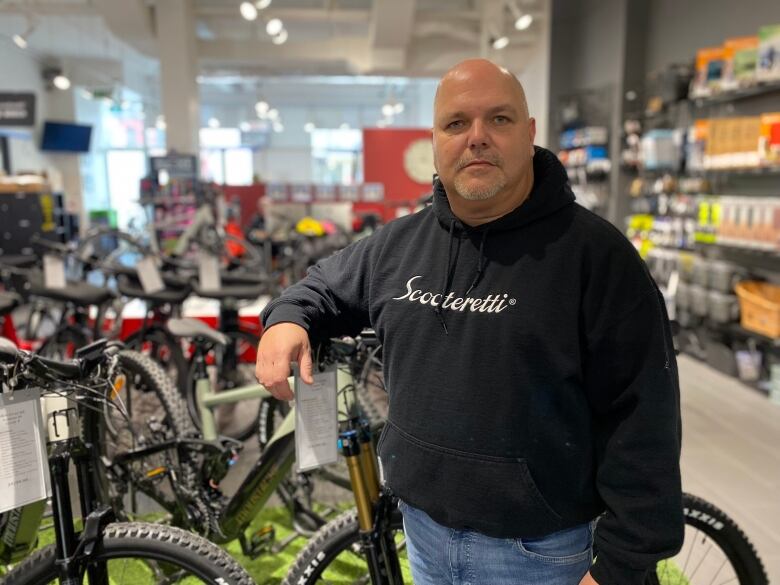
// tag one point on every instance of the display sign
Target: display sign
(316, 421)
(17, 109)
(24, 475)
(305, 193)
(178, 166)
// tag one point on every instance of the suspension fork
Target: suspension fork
(378, 544)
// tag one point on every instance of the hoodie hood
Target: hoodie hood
(549, 193)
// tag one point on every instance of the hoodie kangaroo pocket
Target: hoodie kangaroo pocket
(493, 495)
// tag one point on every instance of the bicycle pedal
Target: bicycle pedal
(262, 541)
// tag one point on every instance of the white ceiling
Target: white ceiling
(117, 39)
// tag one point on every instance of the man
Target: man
(528, 356)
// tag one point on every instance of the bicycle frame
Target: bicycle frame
(20, 532)
(273, 464)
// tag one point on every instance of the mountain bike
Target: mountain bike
(103, 551)
(366, 544)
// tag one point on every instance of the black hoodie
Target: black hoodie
(530, 369)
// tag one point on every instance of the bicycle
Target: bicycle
(362, 545)
(105, 552)
(181, 470)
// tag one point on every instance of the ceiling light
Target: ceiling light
(248, 11)
(262, 107)
(274, 27)
(262, 4)
(309, 127)
(381, 123)
(245, 127)
(281, 38)
(278, 127)
(388, 110)
(20, 41)
(213, 123)
(86, 94)
(61, 82)
(524, 21)
(273, 114)
(398, 108)
(500, 42)
(344, 126)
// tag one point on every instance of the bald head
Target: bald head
(483, 140)
(480, 73)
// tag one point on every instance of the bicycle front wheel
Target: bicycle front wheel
(143, 554)
(335, 554)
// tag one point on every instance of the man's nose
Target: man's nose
(478, 136)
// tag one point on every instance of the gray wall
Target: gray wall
(677, 28)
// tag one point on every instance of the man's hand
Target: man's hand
(281, 344)
(588, 580)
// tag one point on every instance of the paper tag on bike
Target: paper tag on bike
(149, 275)
(316, 421)
(208, 271)
(24, 467)
(53, 271)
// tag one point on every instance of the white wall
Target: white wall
(20, 73)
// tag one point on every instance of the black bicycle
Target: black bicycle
(105, 552)
(366, 544)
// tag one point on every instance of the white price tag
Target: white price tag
(53, 271)
(149, 275)
(316, 421)
(24, 468)
(208, 271)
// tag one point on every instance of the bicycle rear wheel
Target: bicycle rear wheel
(142, 554)
(228, 370)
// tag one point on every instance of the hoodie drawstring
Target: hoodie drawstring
(449, 270)
(480, 262)
(447, 276)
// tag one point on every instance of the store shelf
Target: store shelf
(759, 89)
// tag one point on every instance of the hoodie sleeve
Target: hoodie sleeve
(632, 385)
(333, 298)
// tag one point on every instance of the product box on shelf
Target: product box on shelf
(769, 139)
(768, 67)
(660, 149)
(733, 143)
(697, 144)
(722, 308)
(740, 55)
(709, 71)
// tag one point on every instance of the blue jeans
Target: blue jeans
(442, 556)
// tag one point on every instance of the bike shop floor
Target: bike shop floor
(731, 453)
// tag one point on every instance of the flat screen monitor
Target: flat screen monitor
(63, 137)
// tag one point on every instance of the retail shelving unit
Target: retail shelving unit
(718, 341)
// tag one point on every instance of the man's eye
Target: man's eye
(455, 125)
(501, 119)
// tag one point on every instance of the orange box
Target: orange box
(769, 139)
(730, 78)
(709, 69)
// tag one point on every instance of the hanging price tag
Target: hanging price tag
(24, 468)
(149, 275)
(53, 271)
(316, 421)
(208, 271)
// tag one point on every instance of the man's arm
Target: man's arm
(632, 385)
(331, 300)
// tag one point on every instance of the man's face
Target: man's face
(482, 136)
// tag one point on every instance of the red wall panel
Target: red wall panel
(383, 162)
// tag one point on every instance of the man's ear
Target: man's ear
(532, 131)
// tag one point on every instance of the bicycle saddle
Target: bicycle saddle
(78, 293)
(195, 328)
